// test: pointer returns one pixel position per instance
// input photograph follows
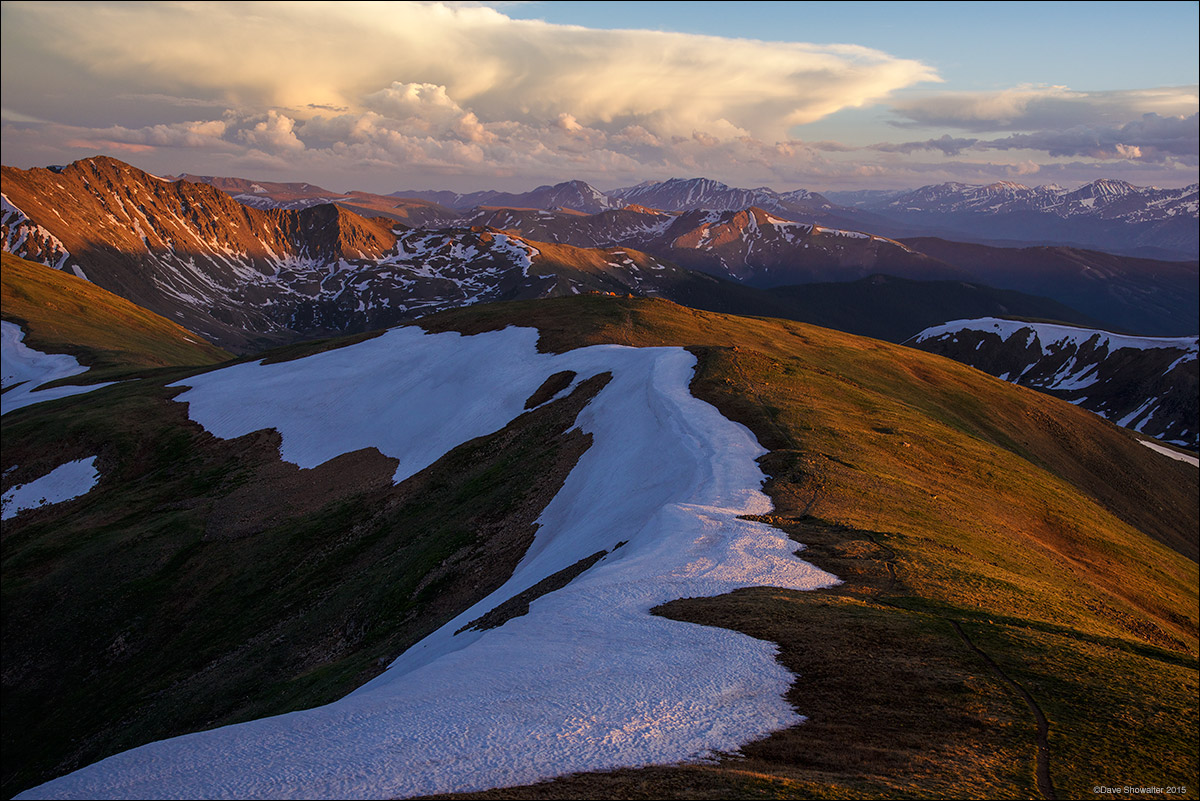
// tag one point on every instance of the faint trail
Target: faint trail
(1045, 786)
(780, 431)
(1042, 767)
(1042, 770)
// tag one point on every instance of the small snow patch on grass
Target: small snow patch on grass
(63, 483)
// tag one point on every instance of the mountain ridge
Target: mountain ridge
(1149, 385)
(247, 277)
(1034, 527)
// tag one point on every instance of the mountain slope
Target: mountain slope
(61, 313)
(749, 245)
(1145, 296)
(241, 585)
(188, 251)
(1146, 384)
(894, 309)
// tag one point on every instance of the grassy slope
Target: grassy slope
(61, 313)
(1041, 530)
(941, 495)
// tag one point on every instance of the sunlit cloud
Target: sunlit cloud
(1034, 108)
(472, 57)
(951, 146)
(419, 95)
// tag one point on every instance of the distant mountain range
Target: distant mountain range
(1105, 214)
(750, 245)
(245, 275)
(757, 248)
(269, 195)
(1108, 215)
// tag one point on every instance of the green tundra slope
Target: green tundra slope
(61, 313)
(1018, 615)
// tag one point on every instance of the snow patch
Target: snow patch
(1176, 455)
(588, 679)
(26, 369)
(1061, 335)
(63, 483)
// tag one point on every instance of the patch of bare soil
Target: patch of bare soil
(280, 490)
(550, 387)
(518, 605)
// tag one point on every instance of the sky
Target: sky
(386, 96)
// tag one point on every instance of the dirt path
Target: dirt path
(1042, 770)
(1045, 786)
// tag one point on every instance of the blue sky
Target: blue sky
(972, 45)
(466, 96)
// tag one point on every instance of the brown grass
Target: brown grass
(1061, 546)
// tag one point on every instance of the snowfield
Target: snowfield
(588, 680)
(63, 483)
(26, 369)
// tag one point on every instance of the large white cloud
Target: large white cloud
(353, 55)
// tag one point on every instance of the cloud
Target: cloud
(1024, 168)
(382, 153)
(401, 55)
(426, 108)
(946, 144)
(199, 134)
(1151, 138)
(461, 96)
(1035, 108)
(8, 115)
(274, 133)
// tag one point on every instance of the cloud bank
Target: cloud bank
(386, 95)
(348, 54)
(1033, 108)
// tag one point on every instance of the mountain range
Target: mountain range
(242, 275)
(1106, 214)
(1103, 215)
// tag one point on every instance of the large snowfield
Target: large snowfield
(26, 369)
(588, 680)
